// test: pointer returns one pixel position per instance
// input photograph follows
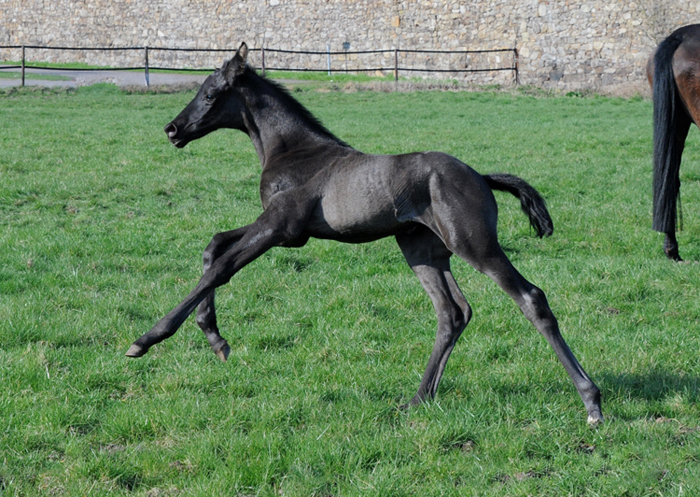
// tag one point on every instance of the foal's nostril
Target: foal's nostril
(170, 129)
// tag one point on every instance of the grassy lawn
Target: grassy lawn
(102, 226)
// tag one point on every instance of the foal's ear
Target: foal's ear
(237, 64)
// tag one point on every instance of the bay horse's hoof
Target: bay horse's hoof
(674, 257)
(135, 351)
(223, 352)
(671, 251)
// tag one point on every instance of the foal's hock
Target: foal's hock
(315, 185)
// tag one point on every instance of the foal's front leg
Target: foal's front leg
(281, 222)
(206, 312)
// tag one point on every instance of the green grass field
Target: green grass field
(102, 226)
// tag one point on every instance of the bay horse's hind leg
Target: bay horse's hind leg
(671, 247)
(206, 311)
(430, 261)
(682, 124)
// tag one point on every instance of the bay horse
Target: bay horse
(673, 71)
(315, 185)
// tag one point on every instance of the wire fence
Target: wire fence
(393, 61)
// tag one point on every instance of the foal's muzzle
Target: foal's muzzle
(171, 130)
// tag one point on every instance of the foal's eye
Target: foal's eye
(209, 97)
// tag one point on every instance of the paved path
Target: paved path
(82, 78)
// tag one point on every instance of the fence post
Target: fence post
(346, 47)
(262, 51)
(328, 52)
(22, 65)
(396, 65)
(146, 74)
(517, 65)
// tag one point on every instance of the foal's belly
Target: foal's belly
(356, 207)
(347, 218)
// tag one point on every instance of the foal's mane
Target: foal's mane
(297, 108)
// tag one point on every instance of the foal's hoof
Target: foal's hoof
(223, 352)
(136, 351)
(595, 419)
(415, 401)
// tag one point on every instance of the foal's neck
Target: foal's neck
(280, 124)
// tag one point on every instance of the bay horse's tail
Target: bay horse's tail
(668, 108)
(531, 202)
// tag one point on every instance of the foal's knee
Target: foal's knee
(207, 258)
(213, 250)
(204, 317)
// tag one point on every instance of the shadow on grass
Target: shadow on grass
(650, 386)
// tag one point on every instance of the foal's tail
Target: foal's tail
(668, 109)
(531, 202)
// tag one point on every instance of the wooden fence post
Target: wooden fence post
(146, 73)
(396, 65)
(23, 65)
(328, 53)
(262, 51)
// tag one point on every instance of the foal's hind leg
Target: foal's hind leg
(533, 303)
(430, 261)
(206, 312)
(463, 214)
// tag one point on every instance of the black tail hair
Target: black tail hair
(531, 202)
(669, 124)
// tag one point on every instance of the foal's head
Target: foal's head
(216, 105)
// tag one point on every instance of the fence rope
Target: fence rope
(396, 68)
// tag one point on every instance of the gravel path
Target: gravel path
(83, 78)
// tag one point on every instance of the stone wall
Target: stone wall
(563, 44)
